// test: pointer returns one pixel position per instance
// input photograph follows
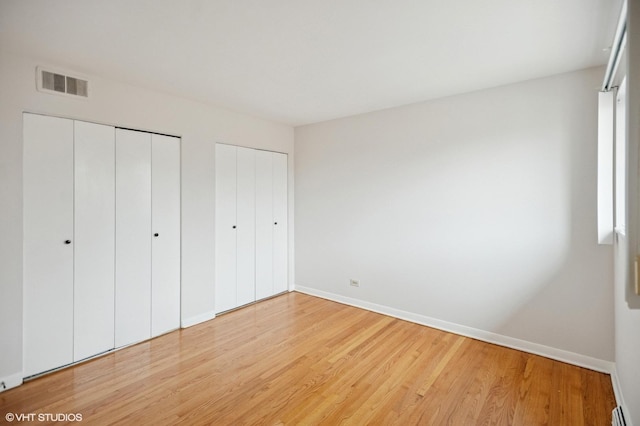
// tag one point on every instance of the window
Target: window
(620, 194)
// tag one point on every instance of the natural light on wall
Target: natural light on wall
(621, 161)
(605, 166)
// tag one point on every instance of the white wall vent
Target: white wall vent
(617, 418)
(61, 83)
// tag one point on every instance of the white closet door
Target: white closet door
(280, 267)
(226, 225)
(246, 231)
(48, 243)
(133, 237)
(264, 225)
(94, 245)
(165, 221)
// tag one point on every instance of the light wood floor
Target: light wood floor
(296, 359)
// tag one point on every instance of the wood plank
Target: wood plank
(297, 359)
(440, 366)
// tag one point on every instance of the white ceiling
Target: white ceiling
(304, 61)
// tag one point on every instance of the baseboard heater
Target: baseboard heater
(617, 418)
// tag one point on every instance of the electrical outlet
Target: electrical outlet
(354, 283)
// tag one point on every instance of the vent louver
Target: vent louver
(61, 83)
(617, 418)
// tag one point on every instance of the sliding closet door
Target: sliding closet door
(264, 225)
(246, 230)
(165, 221)
(226, 225)
(48, 243)
(133, 237)
(280, 223)
(94, 245)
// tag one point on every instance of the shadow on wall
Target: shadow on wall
(573, 307)
(477, 210)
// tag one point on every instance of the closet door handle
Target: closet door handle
(234, 227)
(275, 223)
(67, 241)
(156, 235)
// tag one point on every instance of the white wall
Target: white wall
(477, 210)
(199, 125)
(627, 337)
(627, 304)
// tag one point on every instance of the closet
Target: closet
(147, 263)
(88, 193)
(271, 224)
(251, 225)
(235, 227)
(93, 243)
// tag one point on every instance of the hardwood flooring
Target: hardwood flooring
(297, 359)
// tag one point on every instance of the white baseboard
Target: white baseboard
(483, 335)
(617, 390)
(615, 383)
(11, 381)
(206, 316)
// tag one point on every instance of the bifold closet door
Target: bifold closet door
(264, 224)
(271, 223)
(225, 226)
(235, 227)
(48, 243)
(133, 237)
(94, 239)
(89, 280)
(165, 223)
(281, 223)
(246, 226)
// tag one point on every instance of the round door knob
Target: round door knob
(67, 241)
(234, 227)
(156, 234)
(275, 223)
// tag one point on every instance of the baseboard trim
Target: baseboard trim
(206, 316)
(474, 333)
(615, 383)
(11, 381)
(617, 390)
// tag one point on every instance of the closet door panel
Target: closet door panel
(246, 231)
(94, 245)
(280, 219)
(264, 225)
(48, 260)
(226, 225)
(165, 219)
(133, 237)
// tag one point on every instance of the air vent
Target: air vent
(617, 418)
(61, 83)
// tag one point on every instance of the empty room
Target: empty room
(407, 212)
